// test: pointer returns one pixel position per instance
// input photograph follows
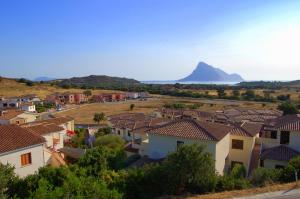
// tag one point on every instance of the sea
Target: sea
(190, 82)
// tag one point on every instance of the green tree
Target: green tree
(221, 93)
(87, 93)
(190, 169)
(238, 171)
(7, 178)
(132, 106)
(236, 94)
(98, 117)
(101, 158)
(249, 95)
(288, 108)
(111, 141)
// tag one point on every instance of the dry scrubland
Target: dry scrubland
(84, 114)
(11, 88)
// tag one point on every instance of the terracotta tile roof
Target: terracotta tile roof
(10, 114)
(56, 121)
(15, 137)
(192, 129)
(281, 153)
(43, 129)
(287, 122)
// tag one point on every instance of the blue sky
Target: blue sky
(149, 39)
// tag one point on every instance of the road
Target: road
(289, 194)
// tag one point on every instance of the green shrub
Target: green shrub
(265, 176)
(238, 171)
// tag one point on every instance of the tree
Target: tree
(287, 108)
(221, 93)
(87, 93)
(236, 94)
(99, 159)
(111, 141)
(7, 178)
(190, 169)
(249, 94)
(98, 117)
(132, 106)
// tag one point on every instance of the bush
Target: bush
(238, 171)
(264, 176)
(288, 108)
(111, 141)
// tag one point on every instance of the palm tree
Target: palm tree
(98, 117)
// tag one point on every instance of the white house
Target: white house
(167, 138)
(228, 144)
(54, 136)
(280, 140)
(22, 149)
(28, 106)
(132, 95)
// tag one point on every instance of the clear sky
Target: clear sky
(149, 39)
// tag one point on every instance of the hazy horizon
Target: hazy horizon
(149, 39)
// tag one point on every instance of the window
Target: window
(262, 163)
(129, 134)
(270, 134)
(237, 144)
(274, 134)
(179, 143)
(284, 137)
(279, 166)
(119, 132)
(25, 159)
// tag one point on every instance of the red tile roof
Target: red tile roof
(43, 129)
(15, 137)
(192, 129)
(281, 153)
(285, 123)
(56, 121)
(10, 114)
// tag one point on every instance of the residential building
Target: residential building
(228, 144)
(132, 128)
(28, 106)
(132, 95)
(109, 97)
(22, 149)
(14, 116)
(280, 140)
(54, 136)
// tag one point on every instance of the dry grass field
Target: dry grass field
(84, 114)
(11, 88)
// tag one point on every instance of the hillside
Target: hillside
(205, 72)
(97, 81)
(11, 88)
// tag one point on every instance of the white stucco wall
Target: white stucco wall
(222, 152)
(29, 117)
(14, 158)
(272, 163)
(159, 146)
(294, 141)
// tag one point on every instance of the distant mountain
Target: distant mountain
(97, 80)
(38, 79)
(205, 72)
